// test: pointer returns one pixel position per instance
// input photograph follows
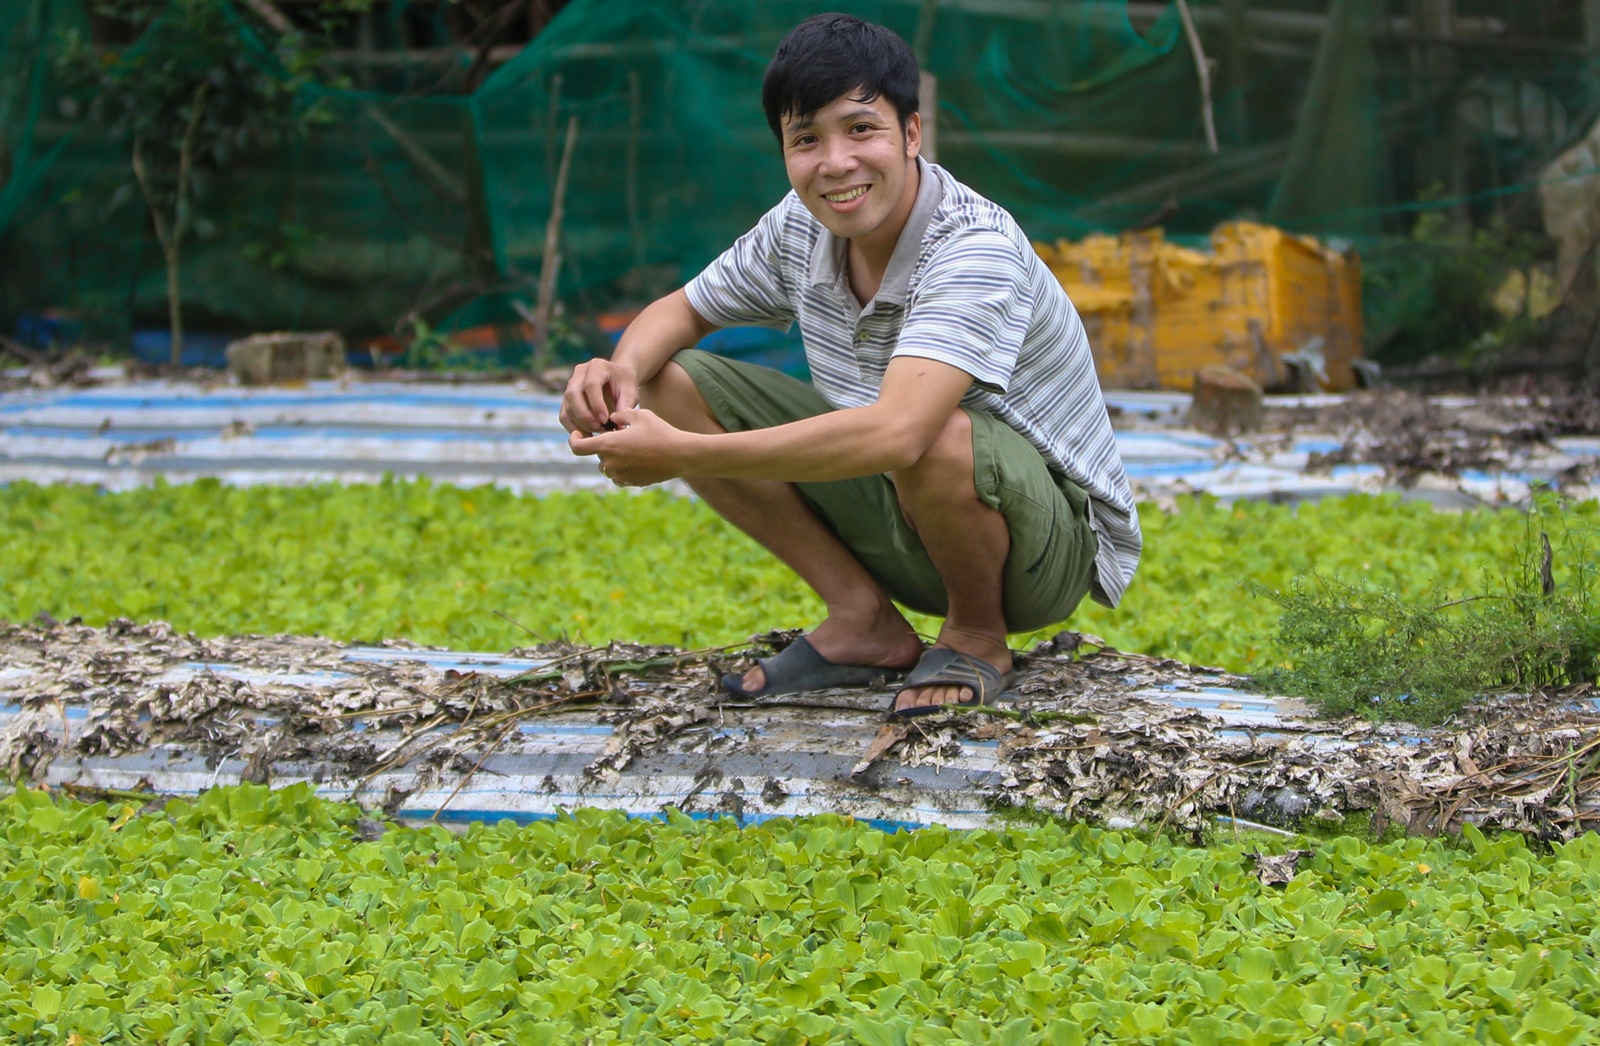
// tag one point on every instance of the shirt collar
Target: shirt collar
(827, 257)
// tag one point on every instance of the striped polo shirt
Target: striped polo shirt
(963, 287)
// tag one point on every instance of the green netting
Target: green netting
(1329, 119)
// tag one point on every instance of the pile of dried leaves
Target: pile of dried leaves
(1410, 434)
(1094, 733)
(269, 698)
(1528, 763)
(44, 370)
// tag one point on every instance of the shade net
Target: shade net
(407, 200)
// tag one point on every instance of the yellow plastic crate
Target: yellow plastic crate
(1157, 313)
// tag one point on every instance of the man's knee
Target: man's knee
(670, 385)
(948, 458)
(673, 395)
(943, 476)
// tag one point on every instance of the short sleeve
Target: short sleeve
(969, 309)
(745, 285)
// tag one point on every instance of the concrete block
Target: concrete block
(1225, 402)
(286, 357)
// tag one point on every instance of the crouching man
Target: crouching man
(952, 452)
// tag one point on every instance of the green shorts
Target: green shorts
(1053, 548)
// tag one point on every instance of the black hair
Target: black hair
(828, 55)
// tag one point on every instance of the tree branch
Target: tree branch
(486, 31)
(1203, 70)
(186, 162)
(149, 194)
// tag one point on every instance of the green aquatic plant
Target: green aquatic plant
(274, 917)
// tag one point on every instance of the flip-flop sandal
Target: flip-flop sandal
(942, 666)
(798, 669)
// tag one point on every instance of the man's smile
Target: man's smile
(846, 195)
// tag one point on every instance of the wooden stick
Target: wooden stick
(425, 161)
(23, 352)
(466, 777)
(1203, 69)
(269, 13)
(552, 253)
(928, 89)
(1254, 826)
(112, 793)
(922, 39)
(552, 111)
(181, 213)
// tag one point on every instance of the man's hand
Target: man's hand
(643, 450)
(595, 393)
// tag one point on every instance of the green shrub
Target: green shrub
(1431, 294)
(1367, 649)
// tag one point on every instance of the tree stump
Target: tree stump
(1225, 402)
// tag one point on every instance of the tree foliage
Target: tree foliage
(190, 100)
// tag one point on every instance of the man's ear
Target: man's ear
(913, 135)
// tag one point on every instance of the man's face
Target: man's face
(852, 167)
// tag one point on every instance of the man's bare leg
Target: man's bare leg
(863, 626)
(968, 542)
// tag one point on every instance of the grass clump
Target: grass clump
(1366, 649)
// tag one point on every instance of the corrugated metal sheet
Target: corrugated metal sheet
(123, 436)
(752, 763)
(1090, 733)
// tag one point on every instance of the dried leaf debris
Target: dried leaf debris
(263, 699)
(1143, 761)
(1093, 733)
(1463, 449)
(1278, 870)
(1411, 435)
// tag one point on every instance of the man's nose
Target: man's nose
(838, 155)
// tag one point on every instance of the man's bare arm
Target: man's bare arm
(598, 387)
(916, 400)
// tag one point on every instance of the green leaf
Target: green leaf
(46, 1001)
(1255, 964)
(1548, 1019)
(255, 916)
(873, 1032)
(1121, 895)
(46, 819)
(1049, 928)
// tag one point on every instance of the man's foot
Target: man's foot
(994, 652)
(885, 641)
(799, 669)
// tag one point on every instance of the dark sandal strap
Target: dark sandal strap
(944, 667)
(799, 669)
